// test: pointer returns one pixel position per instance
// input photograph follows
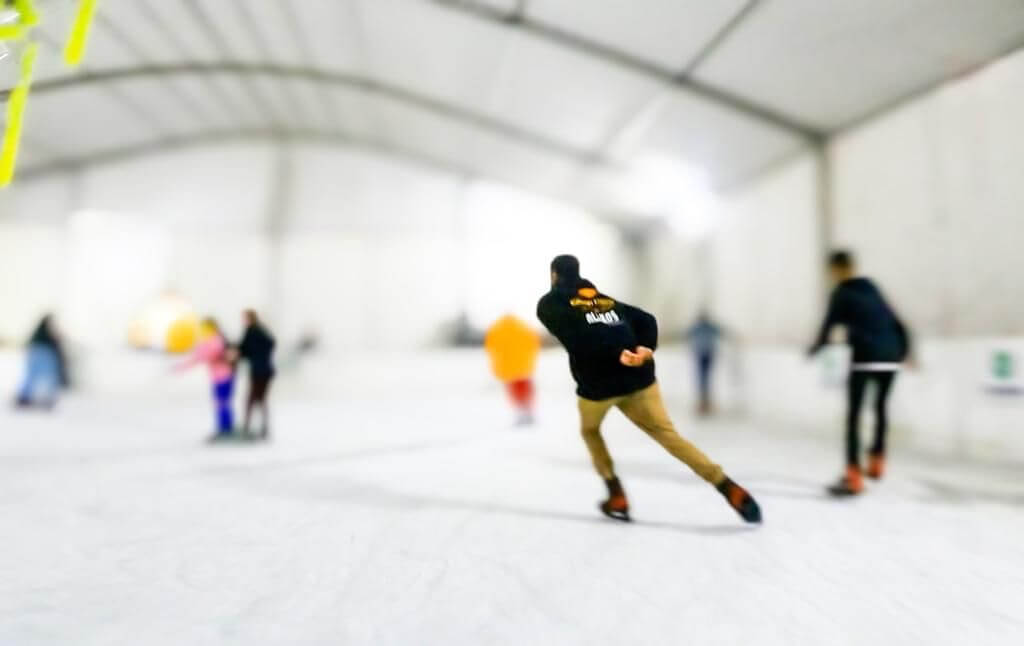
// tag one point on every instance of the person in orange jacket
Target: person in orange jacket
(513, 347)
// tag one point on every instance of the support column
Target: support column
(826, 216)
(279, 205)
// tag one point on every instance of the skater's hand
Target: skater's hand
(636, 359)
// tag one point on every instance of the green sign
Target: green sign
(1002, 365)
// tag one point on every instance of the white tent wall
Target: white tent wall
(928, 196)
(765, 288)
(363, 249)
(942, 175)
(768, 240)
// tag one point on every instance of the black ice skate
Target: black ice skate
(740, 500)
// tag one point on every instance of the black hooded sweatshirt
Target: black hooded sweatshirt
(43, 336)
(257, 347)
(873, 330)
(595, 329)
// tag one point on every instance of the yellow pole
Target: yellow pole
(75, 48)
(15, 114)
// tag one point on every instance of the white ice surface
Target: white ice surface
(422, 517)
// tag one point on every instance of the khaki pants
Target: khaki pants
(645, 409)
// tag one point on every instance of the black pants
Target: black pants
(855, 391)
(258, 387)
(705, 362)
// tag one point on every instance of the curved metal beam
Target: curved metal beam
(305, 135)
(355, 82)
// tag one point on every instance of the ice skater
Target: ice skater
(45, 368)
(704, 336)
(880, 343)
(513, 349)
(213, 350)
(611, 356)
(257, 348)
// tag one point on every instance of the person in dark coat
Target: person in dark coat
(880, 344)
(257, 348)
(45, 367)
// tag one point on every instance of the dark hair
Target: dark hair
(251, 313)
(840, 259)
(567, 267)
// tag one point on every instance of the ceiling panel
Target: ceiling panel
(134, 24)
(354, 112)
(180, 30)
(460, 145)
(34, 153)
(229, 94)
(152, 97)
(668, 33)
(432, 50)
(267, 23)
(828, 63)
(304, 105)
(242, 42)
(330, 32)
(562, 94)
(725, 145)
(79, 121)
(196, 92)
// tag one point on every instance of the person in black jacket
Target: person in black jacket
(880, 343)
(611, 356)
(45, 367)
(257, 347)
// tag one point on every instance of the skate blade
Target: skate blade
(841, 492)
(621, 516)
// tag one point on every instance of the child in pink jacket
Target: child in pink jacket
(213, 350)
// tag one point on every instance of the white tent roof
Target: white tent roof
(553, 95)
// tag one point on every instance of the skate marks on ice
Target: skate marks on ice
(947, 493)
(766, 485)
(374, 497)
(300, 462)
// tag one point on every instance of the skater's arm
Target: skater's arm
(644, 325)
(205, 352)
(245, 348)
(831, 319)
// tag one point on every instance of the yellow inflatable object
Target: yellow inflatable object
(513, 349)
(182, 335)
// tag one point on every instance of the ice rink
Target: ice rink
(419, 515)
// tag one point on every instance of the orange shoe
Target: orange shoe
(876, 466)
(850, 484)
(740, 500)
(616, 506)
